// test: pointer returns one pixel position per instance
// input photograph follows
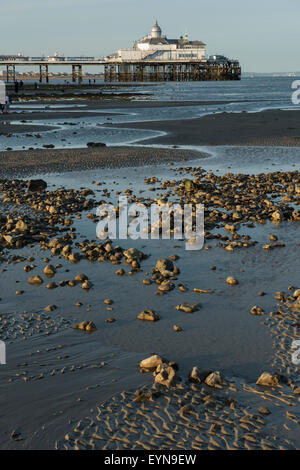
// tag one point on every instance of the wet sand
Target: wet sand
(230, 415)
(35, 115)
(83, 370)
(7, 128)
(70, 389)
(47, 161)
(92, 106)
(275, 128)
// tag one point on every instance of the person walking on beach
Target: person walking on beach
(2, 105)
(6, 104)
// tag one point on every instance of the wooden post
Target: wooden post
(79, 74)
(73, 73)
(47, 74)
(170, 71)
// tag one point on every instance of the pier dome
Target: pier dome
(156, 31)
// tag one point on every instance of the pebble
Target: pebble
(35, 280)
(177, 328)
(86, 326)
(86, 285)
(188, 308)
(149, 315)
(264, 411)
(257, 310)
(49, 270)
(268, 380)
(231, 281)
(150, 363)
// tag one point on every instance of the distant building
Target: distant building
(56, 58)
(155, 46)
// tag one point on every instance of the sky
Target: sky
(264, 35)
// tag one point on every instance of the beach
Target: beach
(47, 161)
(212, 338)
(266, 128)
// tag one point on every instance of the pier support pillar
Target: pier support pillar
(111, 73)
(79, 74)
(172, 71)
(76, 73)
(10, 73)
(44, 73)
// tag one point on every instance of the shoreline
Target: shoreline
(91, 106)
(265, 128)
(273, 127)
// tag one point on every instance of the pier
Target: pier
(44, 65)
(172, 71)
(134, 71)
(157, 58)
(154, 58)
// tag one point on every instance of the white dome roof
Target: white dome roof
(156, 31)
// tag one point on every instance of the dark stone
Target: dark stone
(96, 144)
(36, 185)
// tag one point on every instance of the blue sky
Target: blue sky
(263, 34)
